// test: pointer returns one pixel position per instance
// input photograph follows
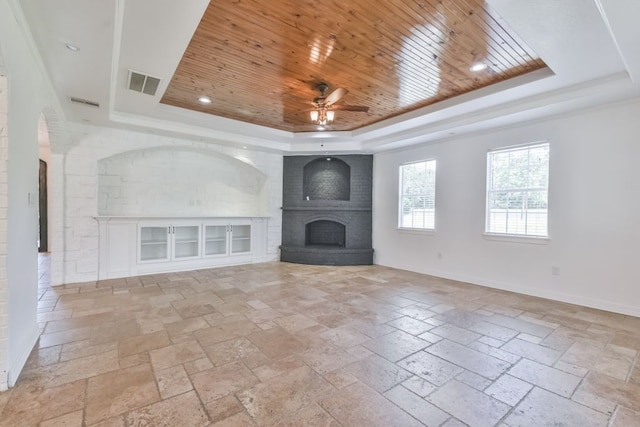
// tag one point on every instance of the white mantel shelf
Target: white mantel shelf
(161, 217)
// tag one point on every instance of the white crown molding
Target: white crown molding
(458, 116)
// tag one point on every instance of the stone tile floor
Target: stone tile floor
(291, 345)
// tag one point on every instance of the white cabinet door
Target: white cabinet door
(168, 242)
(186, 241)
(240, 238)
(154, 243)
(223, 238)
(215, 240)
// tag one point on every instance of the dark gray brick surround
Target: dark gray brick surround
(322, 194)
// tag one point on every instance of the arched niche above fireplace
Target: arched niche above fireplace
(326, 178)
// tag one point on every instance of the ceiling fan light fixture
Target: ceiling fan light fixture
(330, 116)
(322, 116)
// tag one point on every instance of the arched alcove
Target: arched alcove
(326, 179)
(179, 181)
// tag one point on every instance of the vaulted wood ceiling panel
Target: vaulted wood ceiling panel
(260, 62)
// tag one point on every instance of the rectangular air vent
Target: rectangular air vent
(84, 101)
(143, 83)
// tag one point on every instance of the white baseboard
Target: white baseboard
(631, 310)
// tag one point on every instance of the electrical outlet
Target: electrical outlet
(555, 270)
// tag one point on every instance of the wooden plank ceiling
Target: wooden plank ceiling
(260, 61)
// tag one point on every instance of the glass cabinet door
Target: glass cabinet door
(240, 239)
(186, 241)
(154, 243)
(215, 240)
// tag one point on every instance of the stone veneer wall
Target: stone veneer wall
(79, 165)
(354, 214)
(180, 181)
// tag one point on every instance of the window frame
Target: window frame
(510, 236)
(401, 198)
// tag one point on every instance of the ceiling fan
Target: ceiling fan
(325, 105)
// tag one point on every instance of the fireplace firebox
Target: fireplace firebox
(324, 233)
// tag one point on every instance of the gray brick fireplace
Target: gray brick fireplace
(326, 212)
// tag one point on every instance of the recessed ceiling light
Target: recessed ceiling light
(478, 67)
(72, 47)
(244, 146)
(204, 100)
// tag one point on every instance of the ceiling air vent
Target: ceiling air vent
(143, 83)
(84, 101)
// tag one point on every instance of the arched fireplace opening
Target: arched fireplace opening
(325, 233)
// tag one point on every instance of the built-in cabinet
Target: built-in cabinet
(230, 239)
(168, 242)
(133, 246)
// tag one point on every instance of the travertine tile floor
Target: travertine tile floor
(290, 345)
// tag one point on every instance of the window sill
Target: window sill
(533, 240)
(419, 231)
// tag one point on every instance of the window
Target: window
(517, 183)
(417, 195)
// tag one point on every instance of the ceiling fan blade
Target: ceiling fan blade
(335, 96)
(350, 108)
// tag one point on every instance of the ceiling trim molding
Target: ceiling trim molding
(453, 118)
(198, 132)
(118, 26)
(577, 97)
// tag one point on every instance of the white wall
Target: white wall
(4, 311)
(100, 167)
(594, 212)
(27, 94)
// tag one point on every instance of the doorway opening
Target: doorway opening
(43, 216)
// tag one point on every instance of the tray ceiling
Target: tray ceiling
(260, 62)
(408, 62)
